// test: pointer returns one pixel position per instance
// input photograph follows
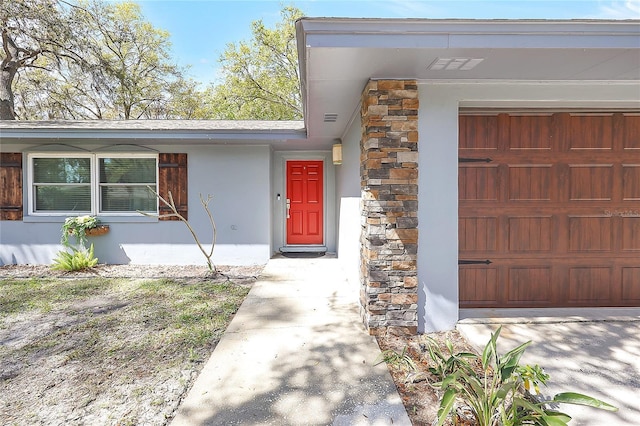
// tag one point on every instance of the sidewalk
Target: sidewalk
(296, 353)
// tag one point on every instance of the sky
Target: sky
(201, 29)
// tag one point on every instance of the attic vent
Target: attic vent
(449, 64)
(330, 117)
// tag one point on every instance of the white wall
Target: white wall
(348, 209)
(438, 171)
(238, 177)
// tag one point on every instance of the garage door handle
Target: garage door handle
(474, 160)
(474, 262)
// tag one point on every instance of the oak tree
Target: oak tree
(32, 30)
(103, 61)
(260, 77)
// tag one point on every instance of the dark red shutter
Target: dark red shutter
(172, 176)
(11, 184)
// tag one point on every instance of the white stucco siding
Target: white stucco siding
(437, 209)
(238, 178)
(348, 204)
(438, 170)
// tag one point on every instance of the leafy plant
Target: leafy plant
(443, 364)
(76, 260)
(76, 257)
(77, 226)
(495, 395)
(398, 359)
(532, 376)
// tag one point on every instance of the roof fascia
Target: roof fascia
(164, 135)
(416, 33)
(301, 41)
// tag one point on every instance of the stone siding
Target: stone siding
(389, 183)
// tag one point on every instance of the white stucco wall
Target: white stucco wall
(238, 177)
(438, 170)
(348, 203)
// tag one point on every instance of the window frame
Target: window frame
(95, 184)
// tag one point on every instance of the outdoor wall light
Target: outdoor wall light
(337, 153)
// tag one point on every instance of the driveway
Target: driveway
(591, 351)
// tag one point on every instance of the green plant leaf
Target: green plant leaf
(509, 361)
(490, 348)
(521, 402)
(450, 379)
(449, 346)
(446, 405)
(555, 418)
(580, 399)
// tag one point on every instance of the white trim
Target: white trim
(30, 182)
(589, 83)
(94, 184)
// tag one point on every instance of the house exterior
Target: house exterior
(489, 164)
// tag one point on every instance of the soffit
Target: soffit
(338, 56)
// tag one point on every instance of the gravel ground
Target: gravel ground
(132, 271)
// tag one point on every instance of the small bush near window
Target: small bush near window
(76, 257)
(76, 260)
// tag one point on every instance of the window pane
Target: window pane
(128, 170)
(62, 170)
(65, 198)
(127, 198)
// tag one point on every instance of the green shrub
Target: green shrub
(400, 360)
(497, 395)
(76, 260)
(442, 364)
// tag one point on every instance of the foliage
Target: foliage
(89, 59)
(96, 60)
(261, 79)
(129, 60)
(76, 257)
(76, 226)
(495, 395)
(76, 260)
(174, 213)
(398, 359)
(36, 34)
(444, 364)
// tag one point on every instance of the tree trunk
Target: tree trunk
(8, 70)
(7, 111)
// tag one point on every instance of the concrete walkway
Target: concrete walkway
(296, 353)
(591, 351)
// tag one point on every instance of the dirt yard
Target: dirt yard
(119, 345)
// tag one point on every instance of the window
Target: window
(92, 183)
(124, 184)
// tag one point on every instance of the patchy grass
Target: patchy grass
(106, 351)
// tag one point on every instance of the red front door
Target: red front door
(304, 202)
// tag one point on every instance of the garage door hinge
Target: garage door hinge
(474, 160)
(474, 262)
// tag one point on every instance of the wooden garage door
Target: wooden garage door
(553, 202)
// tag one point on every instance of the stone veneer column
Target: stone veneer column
(389, 183)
